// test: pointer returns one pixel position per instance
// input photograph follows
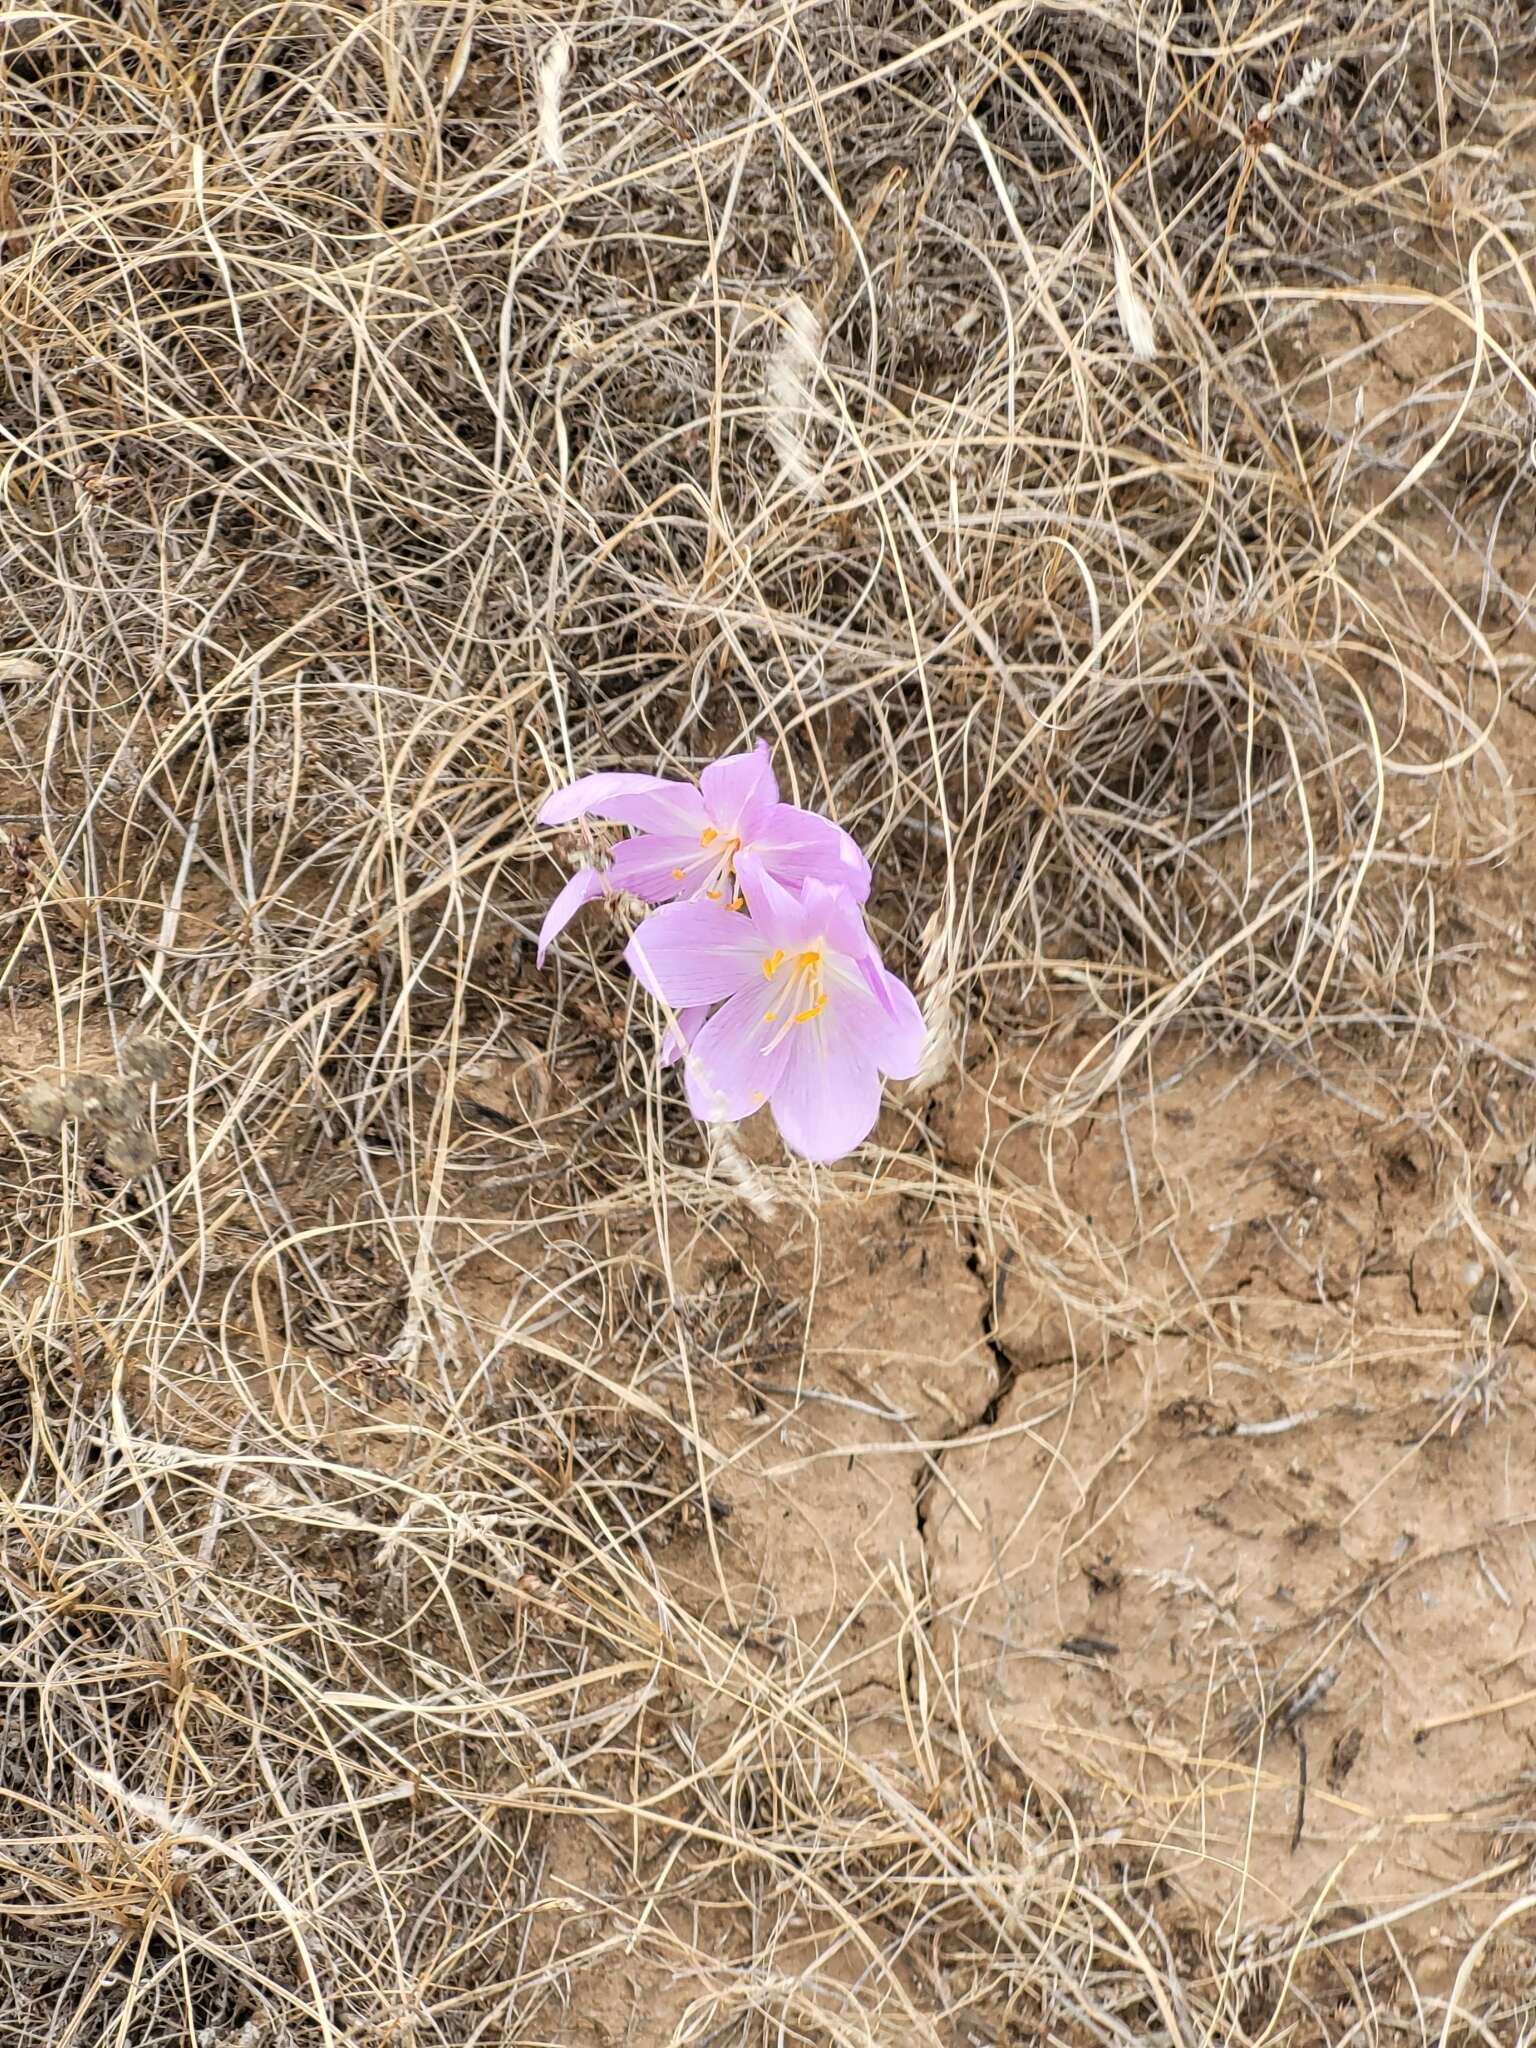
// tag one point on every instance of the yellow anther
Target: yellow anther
(677, 874)
(739, 904)
(803, 985)
(713, 895)
(707, 835)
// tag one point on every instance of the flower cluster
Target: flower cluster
(759, 948)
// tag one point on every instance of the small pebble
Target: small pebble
(130, 1152)
(147, 1059)
(104, 1099)
(1485, 1296)
(41, 1109)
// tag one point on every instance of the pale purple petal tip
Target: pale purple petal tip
(591, 793)
(903, 1043)
(691, 953)
(585, 886)
(832, 911)
(651, 803)
(826, 1101)
(780, 916)
(654, 866)
(680, 1036)
(801, 847)
(737, 1058)
(740, 792)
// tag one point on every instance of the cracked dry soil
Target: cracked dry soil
(1233, 1551)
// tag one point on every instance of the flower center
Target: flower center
(712, 872)
(798, 996)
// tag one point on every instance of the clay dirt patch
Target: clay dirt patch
(1251, 1590)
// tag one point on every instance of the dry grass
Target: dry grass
(406, 408)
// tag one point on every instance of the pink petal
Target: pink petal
(878, 982)
(585, 886)
(731, 1072)
(680, 1036)
(833, 914)
(690, 953)
(880, 1015)
(593, 793)
(740, 792)
(781, 917)
(797, 845)
(828, 1096)
(653, 803)
(648, 866)
(826, 1100)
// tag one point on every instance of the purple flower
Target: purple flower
(689, 838)
(809, 1019)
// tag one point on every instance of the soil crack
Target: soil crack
(1007, 1373)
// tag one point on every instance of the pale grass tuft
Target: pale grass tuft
(1315, 75)
(1136, 321)
(554, 69)
(156, 1812)
(727, 1159)
(935, 990)
(792, 408)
